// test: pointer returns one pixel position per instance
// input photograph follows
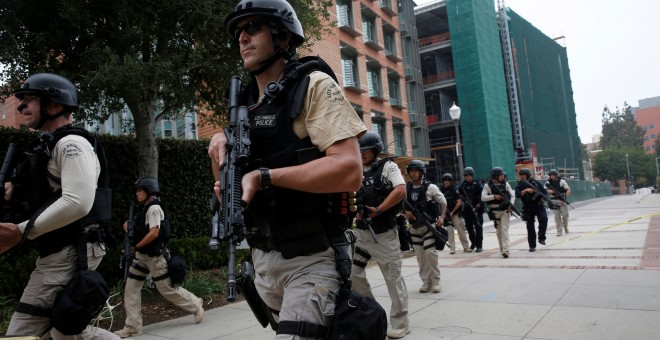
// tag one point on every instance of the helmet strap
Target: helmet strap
(278, 53)
(45, 117)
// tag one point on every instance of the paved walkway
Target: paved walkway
(601, 281)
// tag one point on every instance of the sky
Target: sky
(613, 50)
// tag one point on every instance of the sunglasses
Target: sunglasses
(253, 27)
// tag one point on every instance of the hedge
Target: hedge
(186, 185)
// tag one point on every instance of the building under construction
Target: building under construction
(511, 82)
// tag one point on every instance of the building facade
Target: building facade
(647, 116)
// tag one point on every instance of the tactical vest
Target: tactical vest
(502, 191)
(556, 187)
(473, 193)
(534, 198)
(417, 198)
(293, 222)
(451, 196)
(32, 189)
(376, 189)
(142, 229)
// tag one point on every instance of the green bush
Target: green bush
(185, 179)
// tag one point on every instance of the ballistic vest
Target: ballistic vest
(33, 191)
(556, 187)
(142, 229)
(417, 199)
(451, 195)
(502, 191)
(473, 193)
(376, 189)
(290, 221)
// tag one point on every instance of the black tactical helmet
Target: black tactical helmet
(525, 171)
(371, 141)
(279, 10)
(553, 172)
(468, 171)
(496, 171)
(416, 164)
(51, 86)
(149, 184)
(447, 176)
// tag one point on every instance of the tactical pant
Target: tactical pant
(457, 224)
(51, 275)
(538, 211)
(561, 216)
(302, 289)
(157, 266)
(427, 257)
(388, 257)
(475, 229)
(502, 229)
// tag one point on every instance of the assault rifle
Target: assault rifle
(505, 200)
(441, 238)
(6, 165)
(364, 213)
(538, 193)
(228, 223)
(470, 206)
(127, 256)
(560, 195)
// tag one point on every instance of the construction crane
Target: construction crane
(510, 75)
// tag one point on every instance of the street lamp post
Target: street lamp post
(455, 113)
(628, 168)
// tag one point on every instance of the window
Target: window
(378, 122)
(369, 28)
(181, 128)
(653, 136)
(646, 138)
(349, 70)
(167, 128)
(399, 137)
(395, 91)
(651, 126)
(344, 13)
(373, 76)
(390, 43)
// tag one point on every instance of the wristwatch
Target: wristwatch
(265, 179)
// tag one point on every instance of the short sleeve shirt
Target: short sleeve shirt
(326, 115)
(154, 215)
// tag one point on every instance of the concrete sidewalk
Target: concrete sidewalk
(601, 281)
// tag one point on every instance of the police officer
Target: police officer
(454, 220)
(64, 164)
(150, 249)
(384, 188)
(285, 191)
(470, 191)
(559, 192)
(496, 192)
(425, 197)
(529, 191)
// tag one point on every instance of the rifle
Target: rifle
(561, 195)
(437, 235)
(543, 196)
(471, 207)
(364, 213)
(228, 223)
(127, 255)
(6, 164)
(506, 201)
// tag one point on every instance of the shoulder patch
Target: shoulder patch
(72, 150)
(333, 93)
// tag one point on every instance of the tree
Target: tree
(657, 146)
(610, 165)
(158, 58)
(620, 130)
